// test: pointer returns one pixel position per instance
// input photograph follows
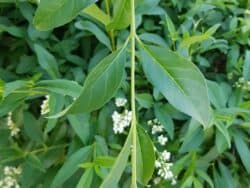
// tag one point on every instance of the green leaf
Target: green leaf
(97, 13)
(242, 149)
(86, 179)
(145, 156)
(226, 176)
(31, 127)
(205, 176)
(180, 81)
(13, 30)
(188, 41)
(171, 28)
(2, 84)
(51, 14)
(121, 15)
(93, 28)
(163, 116)
(105, 161)
(112, 179)
(144, 99)
(47, 61)
(220, 141)
(193, 137)
(35, 162)
(60, 86)
(102, 83)
(80, 124)
(11, 102)
(71, 165)
(217, 94)
(224, 131)
(246, 66)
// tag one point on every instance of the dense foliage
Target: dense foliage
(120, 93)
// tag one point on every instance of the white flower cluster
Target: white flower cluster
(158, 128)
(121, 120)
(164, 168)
(119, 102)
(243, 84)
(45, 106)
(10, 177)
(14, 130)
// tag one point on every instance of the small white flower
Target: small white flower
(14, 130)
(157, 164)
(241, 80)
(157, 180)
(165, 155)
(121, 121)
(157, 129)
(10, 177)
(162, 140)
(45, 106)
(173, 182)
(119, 102)
(150, 122)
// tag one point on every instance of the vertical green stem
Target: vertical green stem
(133, 126)
(111, 33)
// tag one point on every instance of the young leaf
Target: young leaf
(47, 61)
(71, 165)
(97, 13)
(121, 15)
(146, 157)
(51, 14)
(180, 81)
(115, 173)
(102, 83)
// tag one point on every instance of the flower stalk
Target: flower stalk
(132, 74)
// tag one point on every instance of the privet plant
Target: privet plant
(124, 93)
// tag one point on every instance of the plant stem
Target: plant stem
(133, 125)
(111, 33)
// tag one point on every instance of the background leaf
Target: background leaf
(71, 165)
(51, 14)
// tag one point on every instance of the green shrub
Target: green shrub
(124, 93)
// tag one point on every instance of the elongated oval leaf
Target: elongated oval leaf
(180, 81)
(116, 171)
(102, 83)
(242, 148)
(47, 61)
(86, 179)
(71, 165)
(145, 157)
(97, 13)
(51, 14)
(93, 28)
(60, 86)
